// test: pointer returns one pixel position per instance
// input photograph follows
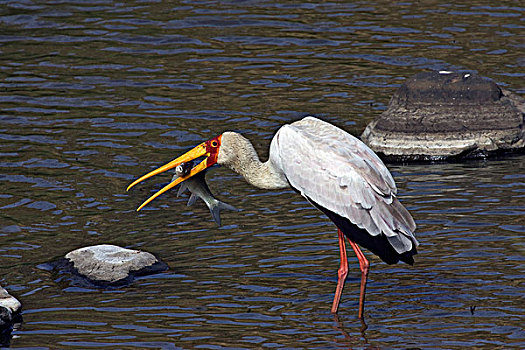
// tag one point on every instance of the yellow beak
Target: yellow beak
(199, 151)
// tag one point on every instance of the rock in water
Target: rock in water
(9, 311)
(445, 115)
(9, 302)
(112, 265)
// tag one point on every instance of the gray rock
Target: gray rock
(9, 302)
(9, 308)
(112, 265)
(437, 116)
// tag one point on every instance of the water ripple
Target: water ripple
(95, 94)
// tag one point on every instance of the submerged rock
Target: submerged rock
(110, 265)
(445, 115)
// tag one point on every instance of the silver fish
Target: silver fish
(199, 189)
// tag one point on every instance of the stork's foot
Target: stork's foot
(365, 267)
(341, 273)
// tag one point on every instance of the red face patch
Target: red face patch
(212, 148)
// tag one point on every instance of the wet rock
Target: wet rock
(9, 311)
(9, 302)
(5, 318)
(445, 115)
(110, 265)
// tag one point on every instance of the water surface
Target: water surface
(94, 94)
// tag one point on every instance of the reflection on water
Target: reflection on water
(93, 94)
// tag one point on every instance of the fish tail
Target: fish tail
(216, 207)
(215, 210)
(226, 206)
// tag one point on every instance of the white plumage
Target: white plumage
(340, 173)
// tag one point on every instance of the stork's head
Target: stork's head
(209, 150)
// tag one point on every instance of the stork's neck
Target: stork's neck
(263, 175)
(238, 154)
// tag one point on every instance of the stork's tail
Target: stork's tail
(380, 244)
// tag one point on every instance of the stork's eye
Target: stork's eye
(214, 143)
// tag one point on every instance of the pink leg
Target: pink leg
(341, 273)
(365, 266)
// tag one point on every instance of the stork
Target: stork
(335, 172)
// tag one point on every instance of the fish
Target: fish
(199, 189)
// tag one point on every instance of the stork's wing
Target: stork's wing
(339, 172)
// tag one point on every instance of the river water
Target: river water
(94, 94)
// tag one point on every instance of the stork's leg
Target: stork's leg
(365, 266)
(342, 272)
